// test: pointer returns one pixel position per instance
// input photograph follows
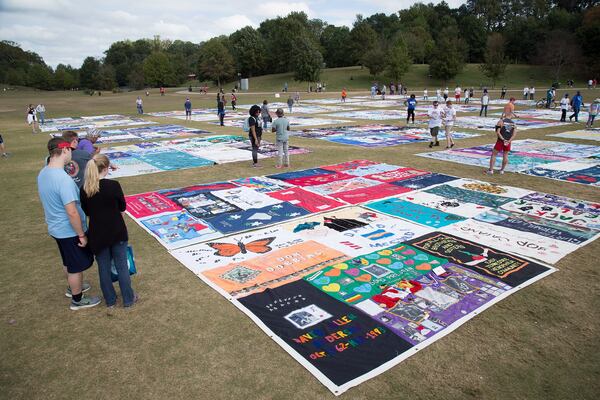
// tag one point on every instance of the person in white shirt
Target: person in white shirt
(438, 94)
(449, 116)
(41, 110)
(425, 94)
(525, 93)
(564, 107)
(485, 101)
(435, 121)
(531, 93)
(590, 83)
(140, 105)
(383, 92)
(457, 93)
(446, 91)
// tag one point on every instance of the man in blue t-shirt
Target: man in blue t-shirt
(411, 103)
(188, 109)
(576, 103)
(66, 221)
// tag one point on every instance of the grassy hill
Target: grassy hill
(357, 78)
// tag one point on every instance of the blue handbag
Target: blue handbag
(130, 265)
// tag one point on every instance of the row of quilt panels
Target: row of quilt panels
(352, 292)
(151, 132)
(150, 157)
(536, 225)
(577, 163)
(90, 122)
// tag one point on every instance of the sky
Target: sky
(67, 31)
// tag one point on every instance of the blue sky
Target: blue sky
(67, 31)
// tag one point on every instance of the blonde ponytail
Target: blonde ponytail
(94, 167)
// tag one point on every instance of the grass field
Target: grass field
(183, 340)
(417, 78)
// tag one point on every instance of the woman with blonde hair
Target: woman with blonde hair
(103, 202)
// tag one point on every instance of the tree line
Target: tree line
(493, 33)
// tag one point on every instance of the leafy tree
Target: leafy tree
(588, 35)
(216, 62)
(419, 42)
(157, 70)
(362, 40)
(88, 73)
(385, 26)
(398, 61)
(16, 76)
(447, 59)
(107, 77)
(336, 46)
(558, 52)
(249, 51)
(64, 77)
(495, 58)
(135, 78)
(307, 61)
(375, 60)
(472, 30)
(488, 10)
(523, 36)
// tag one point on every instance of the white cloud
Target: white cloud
(272, 9)
(233, 23)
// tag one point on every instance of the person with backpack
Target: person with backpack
(253, 127)
(506, 132)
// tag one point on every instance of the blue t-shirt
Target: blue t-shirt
(188, 105)
(56, 190)
(576, 101)
(411, 103)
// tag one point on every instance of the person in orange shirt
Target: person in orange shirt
(344, 95)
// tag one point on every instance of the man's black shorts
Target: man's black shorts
(75, 258)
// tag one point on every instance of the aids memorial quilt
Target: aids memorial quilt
(586, 134)
(371, 114)
(375, 135)
(145, 133)
(349, 291)
(546, 113)
(582, 170)
(488, 123)
(89, 122)
(525, 155)
(199, 115)
(294, 120)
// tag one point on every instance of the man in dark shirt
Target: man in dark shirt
(79, 159)
(255, 133)
(506, 132)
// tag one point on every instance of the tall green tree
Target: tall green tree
(307, 61)
(39, 77)
(216, 62)
(495, 58)
(135, 78)
(362, 39)
(157, 70)
(558, 52)
(448, 58)
(107, 77)
(419, 42)
(336, 46)
(375, 60)
(249, 51)
(88, 73)
(398, 60)
(588, 35)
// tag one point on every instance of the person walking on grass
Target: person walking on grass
(564, 107)
(254, 132)
(344, 95)
(593, 112)
(221, 108)
(103, 202)
(509, 109)
(140, 105)
(265, 114)
(281, 127)
(188, 109)
(66, 222)
(525, 92)
(435, 121)
(503, 92)
(290, 103)
(457, 93)
(532, 93)
(3, 152)
(234, 100)
(31, 119)
(425, 94)
(383, 89)
(446, 92)
(449, 116)
(411, 105)
(576, 103)
(506, 132)
(485, 101)
(41, 110)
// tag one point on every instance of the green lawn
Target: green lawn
(184, 340)
(357, 78)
